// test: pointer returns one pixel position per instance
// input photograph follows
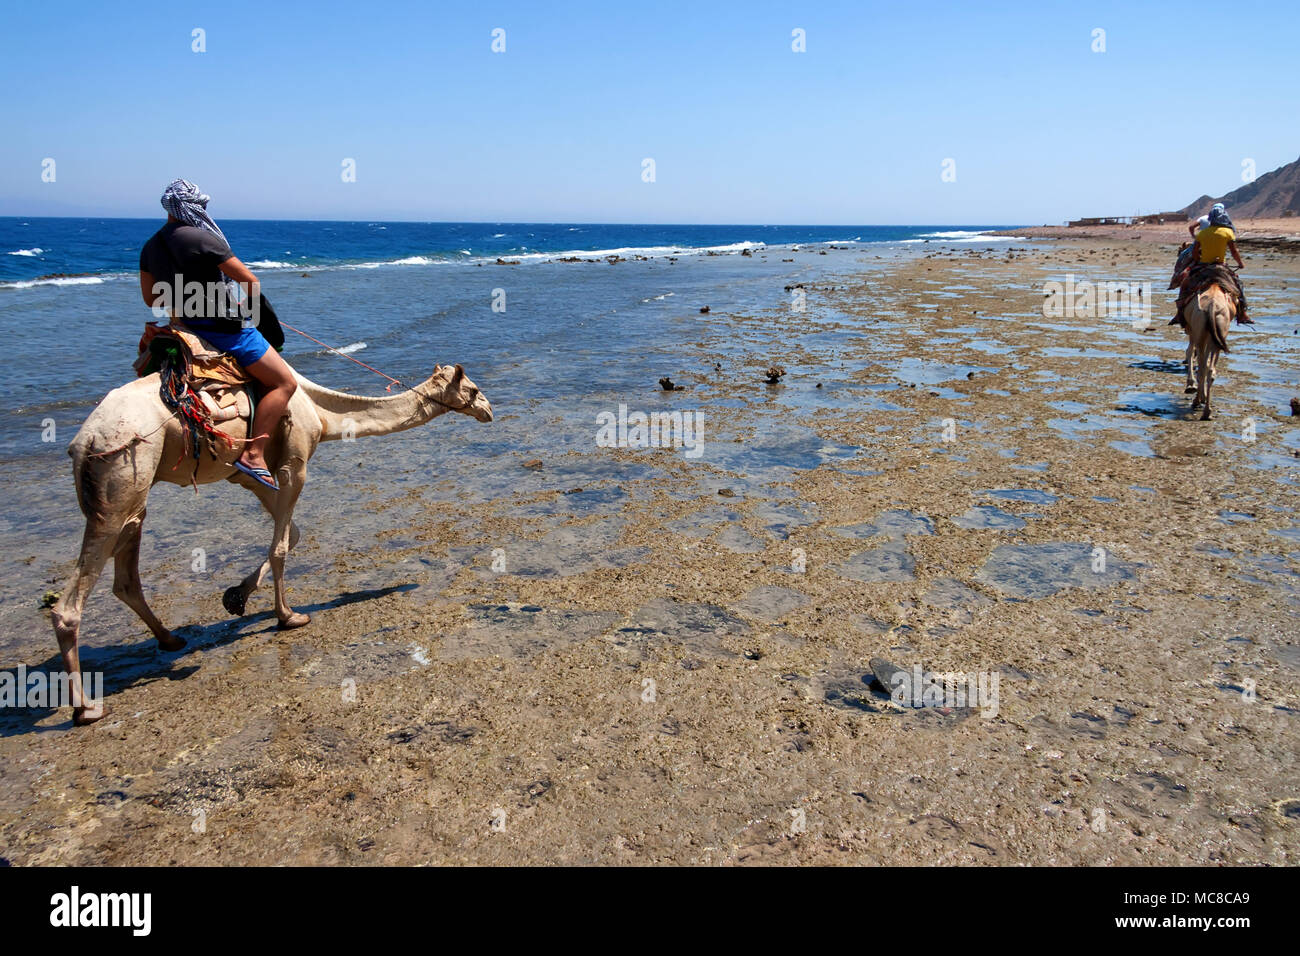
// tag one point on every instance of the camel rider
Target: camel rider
(191, 248)
(1186, 254)
(1213, 241)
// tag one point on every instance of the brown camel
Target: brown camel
(1209, 316)
(132, 440)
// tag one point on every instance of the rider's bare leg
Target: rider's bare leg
(278, 384)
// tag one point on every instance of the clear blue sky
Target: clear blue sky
(741, 128)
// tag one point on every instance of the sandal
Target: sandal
(260, 475)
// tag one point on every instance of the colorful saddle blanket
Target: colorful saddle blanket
(201, 385)
(1205, 274)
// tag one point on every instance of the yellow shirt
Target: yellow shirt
(1214, 242)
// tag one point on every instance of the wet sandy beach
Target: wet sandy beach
(527, 648)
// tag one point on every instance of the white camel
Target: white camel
(131, 441)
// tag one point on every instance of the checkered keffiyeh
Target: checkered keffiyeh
(189, 204)
(1219, 217)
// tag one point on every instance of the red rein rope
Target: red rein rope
(345, 355)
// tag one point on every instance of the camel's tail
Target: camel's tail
(83, 473)
(1219, 338)
(86, 465)
(1212, 317)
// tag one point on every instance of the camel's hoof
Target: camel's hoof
(1205, 415)
(295, 619)
(234, 601)
(171, 643)
(81, 716)
(1189, 390)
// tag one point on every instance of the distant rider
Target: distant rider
(1212, 241)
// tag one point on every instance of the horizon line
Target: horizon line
(552, 222)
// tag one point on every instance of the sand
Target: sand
(676, 669)
(1250, 232)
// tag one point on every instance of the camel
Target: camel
(132, 441)
(1209, 316)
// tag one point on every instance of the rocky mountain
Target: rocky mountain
(1271, 196)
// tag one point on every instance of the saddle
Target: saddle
(1200, 277)
(205, 387)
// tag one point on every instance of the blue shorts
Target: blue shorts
(246, 345)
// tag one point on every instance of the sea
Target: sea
(556, 323)
(72, 252)
(398, 296)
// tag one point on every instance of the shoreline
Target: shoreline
(1262, 234)
(48, 251)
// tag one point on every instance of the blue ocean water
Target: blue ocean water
(401, 296)
(80, 251)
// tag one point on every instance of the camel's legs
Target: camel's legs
(1205, 375)
(96, 545)
(235, 598)
(291, 481)
(1194, 374)
(126, 583)
(1202, 389)
(1188, 357)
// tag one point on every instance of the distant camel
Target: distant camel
(1209, 315)
(132, 440)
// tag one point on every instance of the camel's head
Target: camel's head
(452, 388)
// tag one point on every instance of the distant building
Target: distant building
(1102, 221)
(1155, 218)
(1159, 218)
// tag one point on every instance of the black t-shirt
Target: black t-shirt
(180, 255)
